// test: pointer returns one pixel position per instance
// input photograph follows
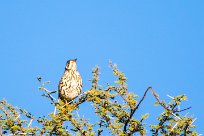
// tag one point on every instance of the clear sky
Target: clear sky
(157, 43)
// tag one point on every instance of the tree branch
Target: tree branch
(158, 100)
(182, 109)
(49, 95)
(133, 111)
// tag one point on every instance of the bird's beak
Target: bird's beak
(75, 59)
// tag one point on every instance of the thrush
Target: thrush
(70, 85)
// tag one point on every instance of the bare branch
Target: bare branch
(133, 111)
(158, 100)
(182, 109)
(49, 95)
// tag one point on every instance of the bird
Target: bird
(70, 84)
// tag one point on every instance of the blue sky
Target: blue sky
(157, 43)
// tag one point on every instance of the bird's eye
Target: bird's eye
(68, 62)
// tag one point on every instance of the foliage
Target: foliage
(114, 106)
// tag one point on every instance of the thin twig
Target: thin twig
(49, 95)
(133, 111)
(182, 109)
(0, 131)
(158, 100)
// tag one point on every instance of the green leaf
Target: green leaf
(145, 116)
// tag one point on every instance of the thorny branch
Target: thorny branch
(163, 121)
(160, 102)
(171, 111)
(84, 98)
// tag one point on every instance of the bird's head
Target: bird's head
(71, 64)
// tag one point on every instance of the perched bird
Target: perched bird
(70, 85)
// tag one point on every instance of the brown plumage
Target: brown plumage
(70, 85)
